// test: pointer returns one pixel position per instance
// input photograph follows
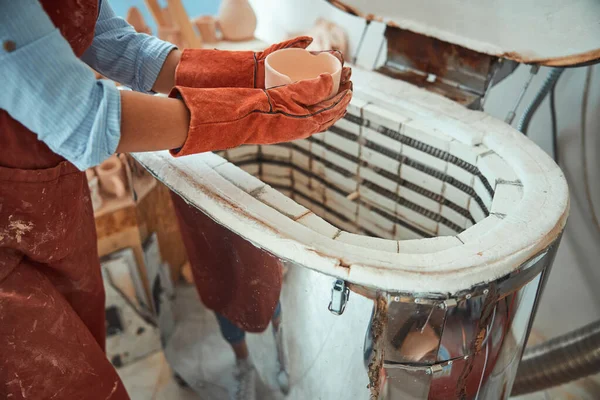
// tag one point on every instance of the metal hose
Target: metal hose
(560, 360)
(531, 109)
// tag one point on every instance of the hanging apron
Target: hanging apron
(233, 277)
(52, 329)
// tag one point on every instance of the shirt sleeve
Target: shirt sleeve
(50, 91)
(121, 54)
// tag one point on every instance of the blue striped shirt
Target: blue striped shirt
(44, 86)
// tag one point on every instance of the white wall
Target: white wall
(572, 297)
(279, 19)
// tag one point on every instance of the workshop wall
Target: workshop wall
(572, 297)
(194, 8)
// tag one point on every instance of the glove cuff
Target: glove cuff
(218, 117)
(205, 68)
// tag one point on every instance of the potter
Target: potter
(207, 26)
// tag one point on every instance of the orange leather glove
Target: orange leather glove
(222, 118)
(206, 68)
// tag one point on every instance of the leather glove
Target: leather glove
(222, 118)
(206, 68)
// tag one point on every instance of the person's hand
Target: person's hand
(223, 118)
(206, 68)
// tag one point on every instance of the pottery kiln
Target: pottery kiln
(443, 220)
(419, 234)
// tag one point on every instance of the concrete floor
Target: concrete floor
(152, 379)
(200, 355)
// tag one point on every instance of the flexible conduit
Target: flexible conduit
(560, 360)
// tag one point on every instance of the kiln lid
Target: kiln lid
(550, 32)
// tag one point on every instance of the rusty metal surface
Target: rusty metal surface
(452, 92)
(437, 57)
(375, 337)
(455, 72)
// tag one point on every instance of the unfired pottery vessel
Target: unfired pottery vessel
(112, 176)
(292, 65)
(136, 20)
(207, 27)
(237, 20)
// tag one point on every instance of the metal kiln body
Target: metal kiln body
(442, 221)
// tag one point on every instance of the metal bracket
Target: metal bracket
(339, 297)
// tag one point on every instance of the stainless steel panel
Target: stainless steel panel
(444, 383)
(507, 340)
(324, 352)
(413, 332)
(489, 372)
(467, 347)
(406, 383)
(460, 328)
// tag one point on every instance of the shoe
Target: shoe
(283, 378)
(180, 381)
(245, 381)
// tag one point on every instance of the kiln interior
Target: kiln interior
(375, 174)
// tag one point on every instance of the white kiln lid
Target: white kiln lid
(549, 32)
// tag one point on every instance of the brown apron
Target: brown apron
(52, 328)
(232, 276)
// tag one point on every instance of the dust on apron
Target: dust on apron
(232, 276)
(52, 331)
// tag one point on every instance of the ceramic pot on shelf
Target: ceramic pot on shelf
(136, 20)
(236, 20)
(207, 27)
(112, 177)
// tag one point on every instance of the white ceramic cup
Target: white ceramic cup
(286, 66)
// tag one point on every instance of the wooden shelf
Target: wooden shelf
(142, 186)
(127, 223)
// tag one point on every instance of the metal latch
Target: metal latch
(339, 297)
